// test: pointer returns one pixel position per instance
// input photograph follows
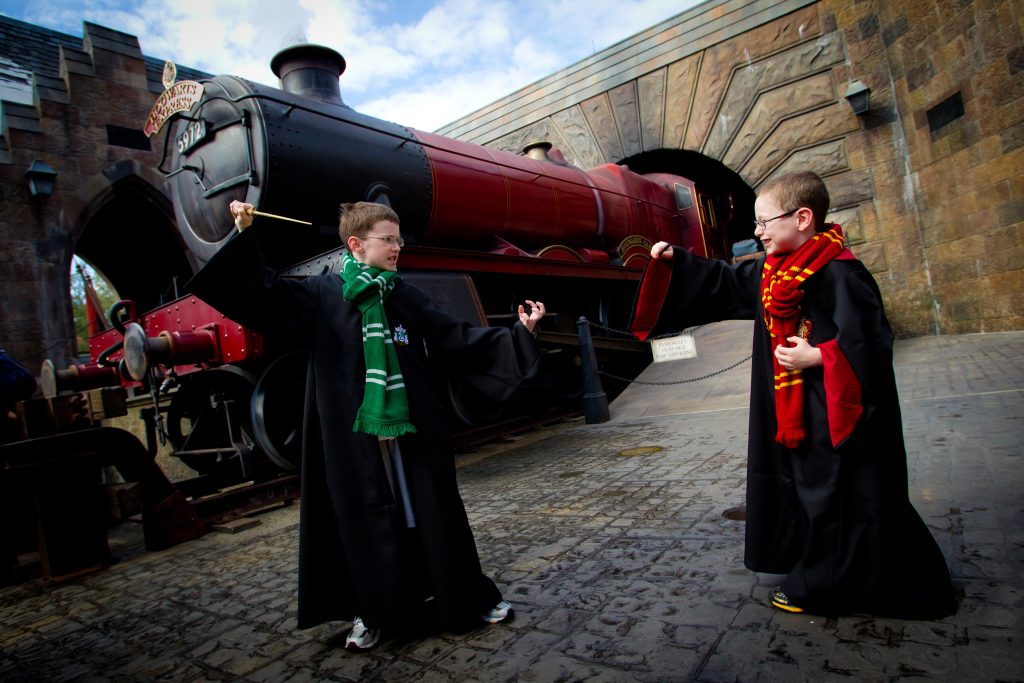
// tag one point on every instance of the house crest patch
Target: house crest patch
(401, 336)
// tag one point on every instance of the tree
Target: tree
(106, 295)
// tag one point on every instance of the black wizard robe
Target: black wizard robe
(356, 555)
(833, 514)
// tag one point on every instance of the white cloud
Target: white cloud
(415, 67)
(456, 32)
(446, 99)
(531, 57)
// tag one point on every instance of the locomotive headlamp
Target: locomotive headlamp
(41, 178)
(859, 97)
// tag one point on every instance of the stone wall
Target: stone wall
(933, 210)
(932, 201)
(84, 120)
(953, 207)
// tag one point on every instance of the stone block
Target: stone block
(74, 61)
(800, 131)
(919, 75)
(574, 129)
(598, 112)
(623, 100)
(850, 188)
(868, 26)
(748, 129)
(1002, 258)
(1012, 138)
(755, 80)
(850, 220)
(997, 168)
(680, 80)
(720, 60)
(1015, 60)
(49, 88)
(873, 257)
(1010, 212)
(825, 160)
(651, 103)
(945, 271)
(19, 117)
(895, 30)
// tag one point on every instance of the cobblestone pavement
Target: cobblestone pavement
(619, 561)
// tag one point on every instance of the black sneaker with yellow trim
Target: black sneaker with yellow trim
(779, 600)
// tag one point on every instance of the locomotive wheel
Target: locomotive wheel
(197, 420)
(277, 407)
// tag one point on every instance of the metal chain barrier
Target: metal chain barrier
(663, 336)
(633, 336)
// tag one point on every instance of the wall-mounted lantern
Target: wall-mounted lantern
(41, 178)
(859, 97)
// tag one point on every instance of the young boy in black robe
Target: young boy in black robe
(827, 501)
(383, 534)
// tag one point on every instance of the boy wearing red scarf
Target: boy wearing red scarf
(827, 501)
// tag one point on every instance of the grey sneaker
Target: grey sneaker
(361, 638)
(498, 613)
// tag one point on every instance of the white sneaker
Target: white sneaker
(498, 613)
(361, 638)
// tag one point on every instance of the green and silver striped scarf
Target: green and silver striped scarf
(385, 409)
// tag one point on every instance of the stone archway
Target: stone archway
(736, 106)
(124, 227)
(730, 194)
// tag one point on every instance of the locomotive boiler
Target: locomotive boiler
(484, 229)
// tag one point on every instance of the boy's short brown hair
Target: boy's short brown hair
(802, 189)
(356, 220)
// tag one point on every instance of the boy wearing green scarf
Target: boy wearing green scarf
(384, 536)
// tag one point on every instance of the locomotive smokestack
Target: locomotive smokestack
(310, 71)
(538, 150)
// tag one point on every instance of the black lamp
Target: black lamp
(41, 178)
(859, 97)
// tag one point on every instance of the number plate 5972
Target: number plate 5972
(191, 136)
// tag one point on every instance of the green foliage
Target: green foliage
(107, 296)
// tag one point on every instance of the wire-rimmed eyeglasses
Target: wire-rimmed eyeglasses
(389, 240)
(764, 224)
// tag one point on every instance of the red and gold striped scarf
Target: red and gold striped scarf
(781, 293)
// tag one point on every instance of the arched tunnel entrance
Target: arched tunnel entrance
(128, 235)
(732, 198)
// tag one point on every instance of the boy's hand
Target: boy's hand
(240, 212)
(800, 356)
(529, 320)
(662, 250)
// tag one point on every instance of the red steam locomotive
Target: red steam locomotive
(483, 230)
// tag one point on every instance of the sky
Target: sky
(420, 63)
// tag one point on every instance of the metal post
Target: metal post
(595, 401)
(149, 420)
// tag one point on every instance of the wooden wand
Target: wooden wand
(254, 212)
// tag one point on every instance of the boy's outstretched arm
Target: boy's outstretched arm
(662, 250)
(530, 320)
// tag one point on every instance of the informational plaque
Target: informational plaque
(673, 348)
